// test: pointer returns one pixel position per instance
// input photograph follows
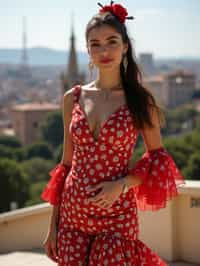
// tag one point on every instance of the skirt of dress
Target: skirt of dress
(76, 248)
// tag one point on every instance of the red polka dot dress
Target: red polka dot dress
(96, 236)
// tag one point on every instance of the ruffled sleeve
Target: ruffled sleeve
(53, 190)
(160, 179)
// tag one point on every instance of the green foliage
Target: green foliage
(52, 129)
(193, 140)
(38, 149)
(58, 153)
(178, 149)
(184, 150)
(192, 170)
(137, 153)
(37, 169)
(14, 185)
(198, 123)
(180, 120)
(35, 193)
(10, 141)
(12, 153)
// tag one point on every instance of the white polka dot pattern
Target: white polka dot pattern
(91, 235)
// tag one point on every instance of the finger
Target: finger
(50, 254)
(99, 196)
(54, 250)
(107, 206)
(103, 202)
(95, 187)
(99, 202)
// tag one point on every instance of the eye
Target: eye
(113, 42)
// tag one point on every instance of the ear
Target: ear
(125, 49)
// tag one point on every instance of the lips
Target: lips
(106, 60)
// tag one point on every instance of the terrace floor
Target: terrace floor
(37, 257)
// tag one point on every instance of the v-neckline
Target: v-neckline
(103, 124)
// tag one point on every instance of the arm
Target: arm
(49, 194)
(67, 115)
(155, 176)
(152, 140)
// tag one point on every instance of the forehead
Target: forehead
(102, 32)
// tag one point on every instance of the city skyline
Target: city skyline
(164, 29)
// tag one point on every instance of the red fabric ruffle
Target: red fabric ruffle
(160, 179)
(53, 190)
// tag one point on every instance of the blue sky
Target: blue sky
(165, 28)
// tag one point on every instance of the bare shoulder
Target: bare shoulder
(88, 86)
(68, 102)
(68, 96)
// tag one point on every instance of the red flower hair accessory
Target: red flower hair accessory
(116, 9)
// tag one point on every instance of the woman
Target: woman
(94, 193)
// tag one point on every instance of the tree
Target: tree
(10, 141)
(193, 140)
(38, 149)
(52, 129)
(37, 169)
(14, 185)
(12, 153)
(178, 149)
(58, 153)
(192, 170)
(35, 193)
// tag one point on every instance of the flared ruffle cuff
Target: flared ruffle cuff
(53, 190)
(160, 179)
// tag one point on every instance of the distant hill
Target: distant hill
(47, 56)
(40, 56)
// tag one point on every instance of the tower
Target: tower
(72, 75)
(24, 58)
(72, 67)
(24, 66)
(147, 63)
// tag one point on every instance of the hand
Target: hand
(49, 245)
(110, 192)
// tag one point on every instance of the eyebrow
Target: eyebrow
(111, 37)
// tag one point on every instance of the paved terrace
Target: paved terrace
(22, 231)
(37, 257)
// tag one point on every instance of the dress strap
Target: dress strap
(76, 93)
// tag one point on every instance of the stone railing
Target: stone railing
(173, 232)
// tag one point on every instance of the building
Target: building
(27, 119)
(156, 85)
(72, 75)
(147, 64)
(181, 86)
(172, 89)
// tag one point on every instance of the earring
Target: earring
(91, 67)
(125, 62)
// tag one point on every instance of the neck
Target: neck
(107, 81)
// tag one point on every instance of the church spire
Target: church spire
(72, 67)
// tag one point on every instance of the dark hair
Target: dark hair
(139, 99)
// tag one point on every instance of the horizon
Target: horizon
(167, 30)
(183, 57)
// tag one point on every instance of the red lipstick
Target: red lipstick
(106, 60)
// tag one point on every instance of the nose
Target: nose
(103, 49)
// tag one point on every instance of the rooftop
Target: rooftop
(35, 106)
